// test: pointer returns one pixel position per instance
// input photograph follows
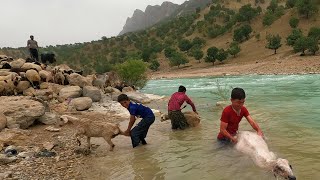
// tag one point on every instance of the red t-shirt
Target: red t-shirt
(177, 99)
(230, 116)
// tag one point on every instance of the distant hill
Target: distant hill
(152, 15)
(185, 36)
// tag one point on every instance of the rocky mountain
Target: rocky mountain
(152, 15)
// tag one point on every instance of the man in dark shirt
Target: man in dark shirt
(139, 132)
(32, 45)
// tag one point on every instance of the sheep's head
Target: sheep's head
(284, 169)
(163, 117)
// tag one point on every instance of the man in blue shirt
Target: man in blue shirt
(139, 132)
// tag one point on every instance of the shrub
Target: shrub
(133, 72)
(234, 49)
(294, 22)
(154, 65)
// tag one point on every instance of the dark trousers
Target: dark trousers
(34, 54)
(139, 132)
(178, 121)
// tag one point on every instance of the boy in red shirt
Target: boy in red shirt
(232, 115)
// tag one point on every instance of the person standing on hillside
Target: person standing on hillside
(32, 45)
(178, 121)
(232, 115)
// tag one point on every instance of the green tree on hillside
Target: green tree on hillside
(133, 72)
(301, 45)
(246, 13)
(274, 42)
(290, 3)
(177, 59)
(212, 54)
(293, 22)
(198, 54)
(273, 6)
(199, 42)
(154, 65)
(313, 45)
(184, 45)
(234, 48)
(146, 54)
(292, 38)
(307, 7)
(169, 52)
(221, 55)
(314, 33)
(242, 33)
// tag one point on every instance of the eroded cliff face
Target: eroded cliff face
(152, 15)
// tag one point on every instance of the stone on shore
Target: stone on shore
(21, 111)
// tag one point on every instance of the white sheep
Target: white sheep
(58, 76)
(192, 118)
(8, 86)
(33, 76)
(253, 145)
(89, 128)
(46, 76)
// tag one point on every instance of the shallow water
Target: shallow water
(286, 108)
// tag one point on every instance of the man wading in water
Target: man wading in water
(178, 121)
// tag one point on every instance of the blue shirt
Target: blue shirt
(140, 110)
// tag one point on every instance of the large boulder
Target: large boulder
(20, 111)
(69, 92)
(93, 92)
(81, 103)
(3, 121)
(49, 118)
(138, 97)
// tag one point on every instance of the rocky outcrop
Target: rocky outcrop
(20, 112)
(152, 15)
(81, 103)
(93, 92)
(3, 121)
(69, 92)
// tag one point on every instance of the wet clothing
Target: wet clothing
(177, 99)
(230, 116)
(139, 132)
(178, 120)
(140, 110)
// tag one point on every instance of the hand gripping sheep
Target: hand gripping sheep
(254, 146)
(90, 129)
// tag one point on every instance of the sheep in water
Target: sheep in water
(192, 118)
(250, 143)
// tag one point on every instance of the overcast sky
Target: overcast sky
(55, 22)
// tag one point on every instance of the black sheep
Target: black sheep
(50, 57)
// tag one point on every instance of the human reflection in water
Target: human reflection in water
(145, 166)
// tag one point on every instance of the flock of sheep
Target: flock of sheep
(16, 76)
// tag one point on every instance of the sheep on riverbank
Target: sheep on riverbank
(88, 128)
